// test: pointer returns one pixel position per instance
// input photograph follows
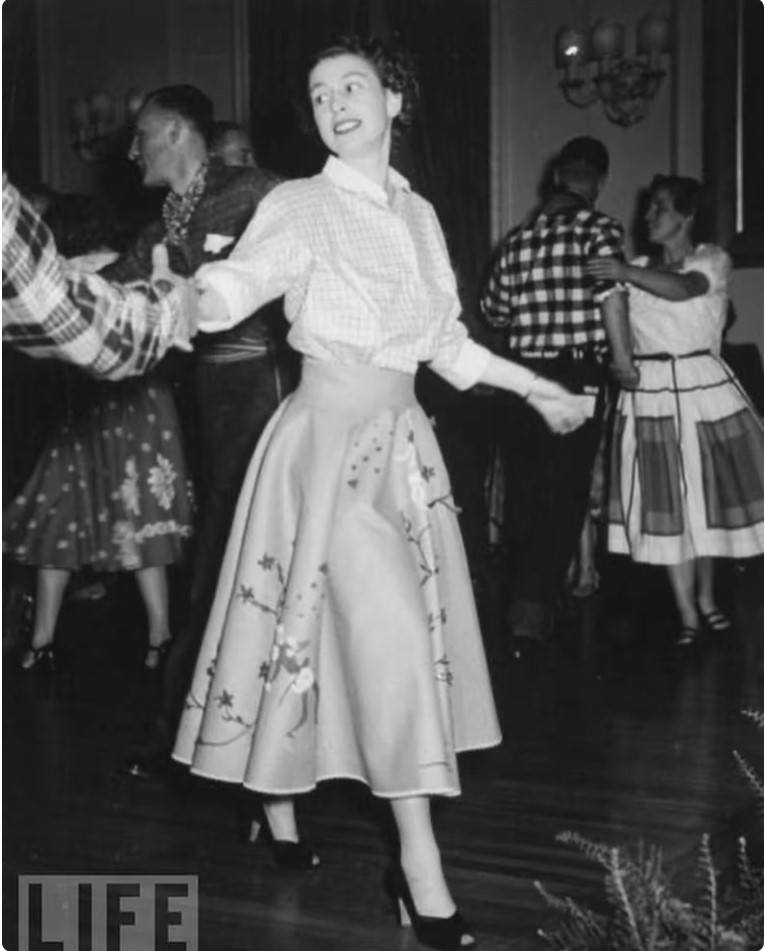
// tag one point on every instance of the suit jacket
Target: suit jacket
(229, 201)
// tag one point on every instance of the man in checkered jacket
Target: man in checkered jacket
(570, 329)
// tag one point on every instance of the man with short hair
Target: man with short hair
(238, 376)
(569, 329)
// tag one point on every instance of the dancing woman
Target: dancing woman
(686, 467)
(343, 641)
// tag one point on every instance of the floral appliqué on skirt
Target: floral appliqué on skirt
(343, 641)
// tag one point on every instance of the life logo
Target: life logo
(108, 913)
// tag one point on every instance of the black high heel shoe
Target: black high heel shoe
(443, 934)
(294, 856)
(40, 659)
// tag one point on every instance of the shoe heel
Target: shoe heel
(252, 833)
(402, 914)
(442, 934)
(253, 826)
(249, 820)
(397, 893)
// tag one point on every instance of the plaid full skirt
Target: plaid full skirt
(343, 641)
(686, 476)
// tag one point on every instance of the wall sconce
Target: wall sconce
(96, 129)
(625, 86)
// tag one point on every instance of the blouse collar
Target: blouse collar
(341, 174)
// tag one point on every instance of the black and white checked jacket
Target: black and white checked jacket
(537, 290)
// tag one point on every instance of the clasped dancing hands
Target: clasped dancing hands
(188, 322)
(562, 410)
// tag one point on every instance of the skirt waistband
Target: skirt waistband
(354, 387)
(673, 356)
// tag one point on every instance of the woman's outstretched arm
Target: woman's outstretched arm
(669, 285)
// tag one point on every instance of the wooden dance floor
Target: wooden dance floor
(607, 731)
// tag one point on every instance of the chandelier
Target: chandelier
(594, 67)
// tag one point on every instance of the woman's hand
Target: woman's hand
(607, 269)
(626, 374)
(561, 410)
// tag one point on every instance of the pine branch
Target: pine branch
(749, 773)
(747, 880)
(595, 851)
(626, 920)
(705, 937)
(583, 926)
(646, 916)
(756, 716)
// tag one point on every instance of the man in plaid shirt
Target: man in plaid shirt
(568, 328)
(111, 331)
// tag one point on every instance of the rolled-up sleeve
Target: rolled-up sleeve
(468, 368)
(496, 299)
(607, 242)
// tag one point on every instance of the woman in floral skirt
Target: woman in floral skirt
(343, 641)
(110, 491)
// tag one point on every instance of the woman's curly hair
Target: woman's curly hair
(393, 65)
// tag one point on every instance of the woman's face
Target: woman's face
(664, 222)
(352, 110)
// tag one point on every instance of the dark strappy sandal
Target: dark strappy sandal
(716, 622)
(686, 636)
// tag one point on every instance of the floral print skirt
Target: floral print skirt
(343, 641)
(686, 477)
(110, 490)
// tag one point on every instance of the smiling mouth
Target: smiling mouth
(347, 125)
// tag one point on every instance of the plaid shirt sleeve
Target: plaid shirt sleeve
(496, 297)
(110, 331)
(607, 242)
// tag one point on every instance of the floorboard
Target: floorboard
(607, 732)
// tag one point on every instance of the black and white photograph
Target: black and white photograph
(382, 475)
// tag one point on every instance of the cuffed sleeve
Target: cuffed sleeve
(468, 368)
(608, 242)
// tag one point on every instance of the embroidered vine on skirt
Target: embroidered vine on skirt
(343, 641)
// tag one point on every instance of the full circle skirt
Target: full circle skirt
(343, 641)
(111, 490)
(686, 475)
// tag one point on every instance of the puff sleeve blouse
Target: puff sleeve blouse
(678, 327)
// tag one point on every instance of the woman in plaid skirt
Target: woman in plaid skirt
(686, 464)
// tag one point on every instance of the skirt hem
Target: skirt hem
(451, 792)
